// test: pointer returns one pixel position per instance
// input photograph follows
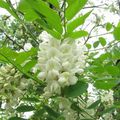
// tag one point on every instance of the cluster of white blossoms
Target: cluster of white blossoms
(12, 86)
(59, 62)
(107, 98)
(65, 107)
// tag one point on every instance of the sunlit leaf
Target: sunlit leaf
(77, 22)
(102, 41)
(74, 8)
(78, 34)
(116, 32)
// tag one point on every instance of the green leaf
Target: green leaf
(116, 32)
(29, 65)
(88, 46)
(115, 53)
(54, 3)
(96, 44)
(78, 34)
(49, 29)
(94, 105)
(40, 8)
(31, 99)
(25, 108)
(23, 56)
(112, 70)
(105, 83)
(108, 26)
(3, 59)
(51, 112)
(10, 57)
(70, 1)
(76, 90)
(9, 52)
(77, 22)
(102, 41)
(16, 118)
(108, 110)
(86, 119)
(6, 6)
(74, 8)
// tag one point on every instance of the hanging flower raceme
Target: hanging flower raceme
(12, 86)
(67, 111)
(59, 62)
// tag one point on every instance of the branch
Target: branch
(101, 34)
(110, 44)
(14, 42)
(95, 6)
(89, 34)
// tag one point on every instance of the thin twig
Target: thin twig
(105, 47)
(95, 6)
(100, 34)
(14, 42)
(89, 34)
(64, 20)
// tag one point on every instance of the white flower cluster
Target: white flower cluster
(65, 107)
(12, 86)
(107, 98)
(59, 61)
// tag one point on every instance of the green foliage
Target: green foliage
(12, 57)
(96, 43)
(88, 46)
(74, 8)
(6, 6)
(51, 112)
(16, 118)
(94, 104)
(102, 41)
(25, 108)
(105, 83)
(76, 90)
(108, 26)
(40, 10)
(116, 32)
(54, 3)
(77, 22)
(77, 34)
(103, 71)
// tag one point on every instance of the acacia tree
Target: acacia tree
(48, 64)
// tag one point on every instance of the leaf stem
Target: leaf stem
(64, 15)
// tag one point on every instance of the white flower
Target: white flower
(107, 97)
(52, 87)
(73, 80)
(63, 81)
(12, 85)
(42, 75)
(59, 61)
(52, 74)
(53, 64)
(27, 46)
(65, 106)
